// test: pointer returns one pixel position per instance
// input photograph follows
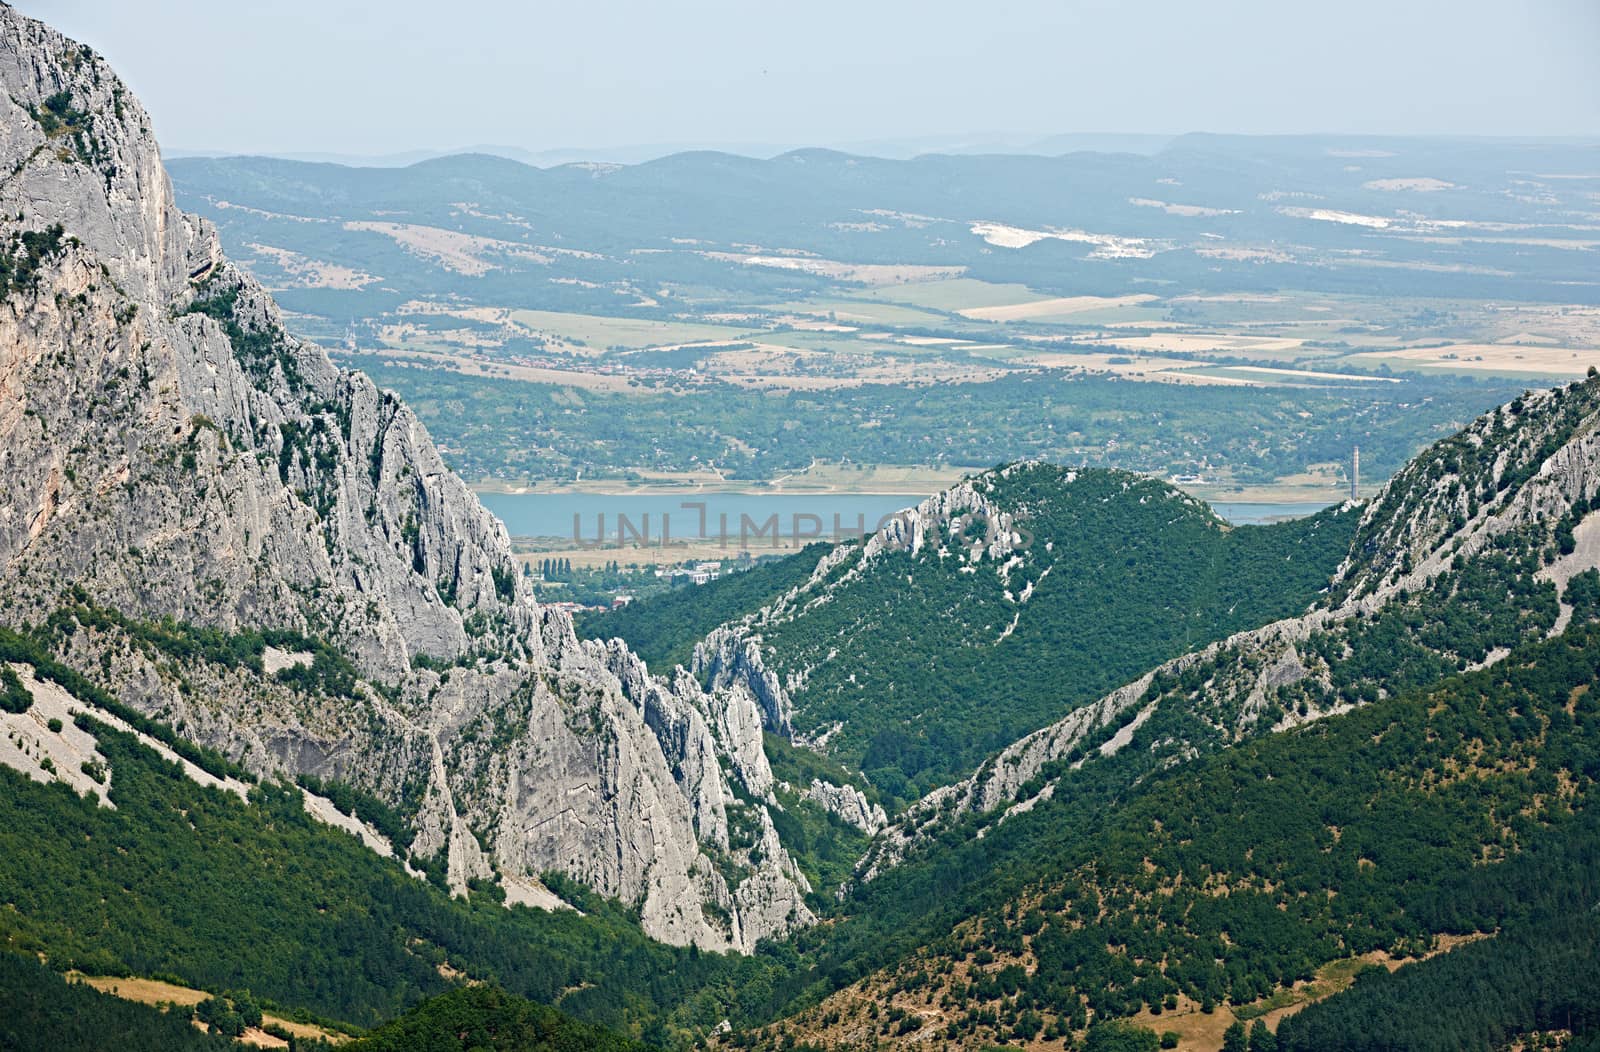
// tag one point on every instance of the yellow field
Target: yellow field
(958, 294)
(450, 249)
(156, 992)
(313, 273)
(863, 273)
(861, 312)
(1137, 367)
(1201, 343)
(616, 383)
(1058, 307)
(1505, 359)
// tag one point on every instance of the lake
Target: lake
(743, 517)
(1247, 513)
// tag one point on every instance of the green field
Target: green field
(848, 311)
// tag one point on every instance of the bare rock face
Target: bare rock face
(169, 450)
(850, 804)
(729, 659)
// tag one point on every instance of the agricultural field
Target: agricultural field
(939, 314)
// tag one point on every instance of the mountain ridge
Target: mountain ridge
(177, 454)
(1543, 480)
(1073, 579)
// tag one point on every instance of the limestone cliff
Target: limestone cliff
(171, 451)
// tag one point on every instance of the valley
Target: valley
(307, 742)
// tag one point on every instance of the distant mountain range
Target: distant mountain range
(638, 153)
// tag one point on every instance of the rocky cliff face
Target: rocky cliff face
(1464, 554)
(171, 451)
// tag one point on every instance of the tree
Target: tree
(14, 697)
(247, 1008)
(1234, 1039)
(1117, 1036)
(1262, 1039)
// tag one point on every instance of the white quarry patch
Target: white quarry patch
(1190, 211)
(1331, 215)
(26, 740)
(274, 660)
(1107, 246)
(1420, 185)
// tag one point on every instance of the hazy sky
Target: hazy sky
(297, 76)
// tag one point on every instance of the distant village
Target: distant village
(656, 578)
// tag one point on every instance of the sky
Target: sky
(375, 78)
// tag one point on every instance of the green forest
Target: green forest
(41, 1010)
(1121, 573)
(487, 1019)
(664, 628)
(1227, 879)
(511, 429)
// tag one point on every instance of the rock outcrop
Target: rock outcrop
(850, 804)
(171, 451)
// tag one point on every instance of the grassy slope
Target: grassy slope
(664, 629)
(41, 1010)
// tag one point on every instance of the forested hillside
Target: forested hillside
(1228, 881)
(303, 914)
(1390, 808)
(892, 654)
(663, 629)
(487, 1019)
